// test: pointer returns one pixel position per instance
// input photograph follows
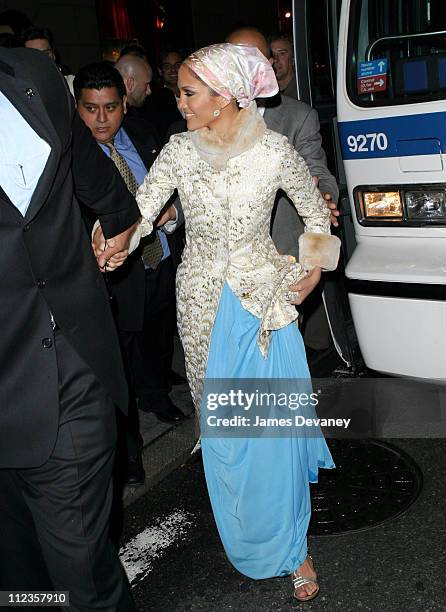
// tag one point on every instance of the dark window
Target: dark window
(322, 86)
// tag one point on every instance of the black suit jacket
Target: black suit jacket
(47, 264)
(127, 283)
(160, 108)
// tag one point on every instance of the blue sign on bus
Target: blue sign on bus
(372, 68)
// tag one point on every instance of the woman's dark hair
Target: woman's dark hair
(98, 76)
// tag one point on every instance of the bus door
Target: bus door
(391, 95)
(315, 25)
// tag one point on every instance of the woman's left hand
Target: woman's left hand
(305, 286)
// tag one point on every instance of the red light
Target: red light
(288, 15)
(159, 23)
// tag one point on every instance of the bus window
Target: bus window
(397, 52)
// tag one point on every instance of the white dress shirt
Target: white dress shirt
(23, 156)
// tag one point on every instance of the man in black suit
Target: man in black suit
(61, 373)
(145, 293)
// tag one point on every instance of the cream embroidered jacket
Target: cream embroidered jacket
(227, 190)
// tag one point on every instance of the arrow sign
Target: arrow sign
(373, 68)
(372, 83)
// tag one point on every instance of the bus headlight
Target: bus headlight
(382, 204)
(425, 204)
(405, 205)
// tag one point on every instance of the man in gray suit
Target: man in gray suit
(300, 124)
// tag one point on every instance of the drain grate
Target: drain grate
(373, 482)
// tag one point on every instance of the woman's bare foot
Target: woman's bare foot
(305, 581)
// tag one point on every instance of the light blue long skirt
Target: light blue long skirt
(259, 487)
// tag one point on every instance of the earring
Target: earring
(217, 112)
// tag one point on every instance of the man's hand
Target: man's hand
(333, 208)
(112, 253)
(170, 214)
(305, 286)
(98, 242)
(330, 204)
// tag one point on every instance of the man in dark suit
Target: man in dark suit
(144, 292)
(61, 373)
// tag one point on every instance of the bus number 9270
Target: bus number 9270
(367, 142)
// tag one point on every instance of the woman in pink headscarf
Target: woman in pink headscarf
(236, 297)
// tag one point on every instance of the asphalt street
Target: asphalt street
(174, 559)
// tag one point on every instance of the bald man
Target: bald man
(137, 76)
(300, 124)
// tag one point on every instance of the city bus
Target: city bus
(376, 72)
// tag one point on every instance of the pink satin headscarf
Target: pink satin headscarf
(235, 71)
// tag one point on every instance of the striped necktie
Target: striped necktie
(152, 252)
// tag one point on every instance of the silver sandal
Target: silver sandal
(299, 581)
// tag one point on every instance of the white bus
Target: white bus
(387, 145)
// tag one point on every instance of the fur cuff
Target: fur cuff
(319, 250)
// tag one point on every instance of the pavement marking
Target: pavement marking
(138, 555)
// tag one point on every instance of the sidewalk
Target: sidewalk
(166, 446)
